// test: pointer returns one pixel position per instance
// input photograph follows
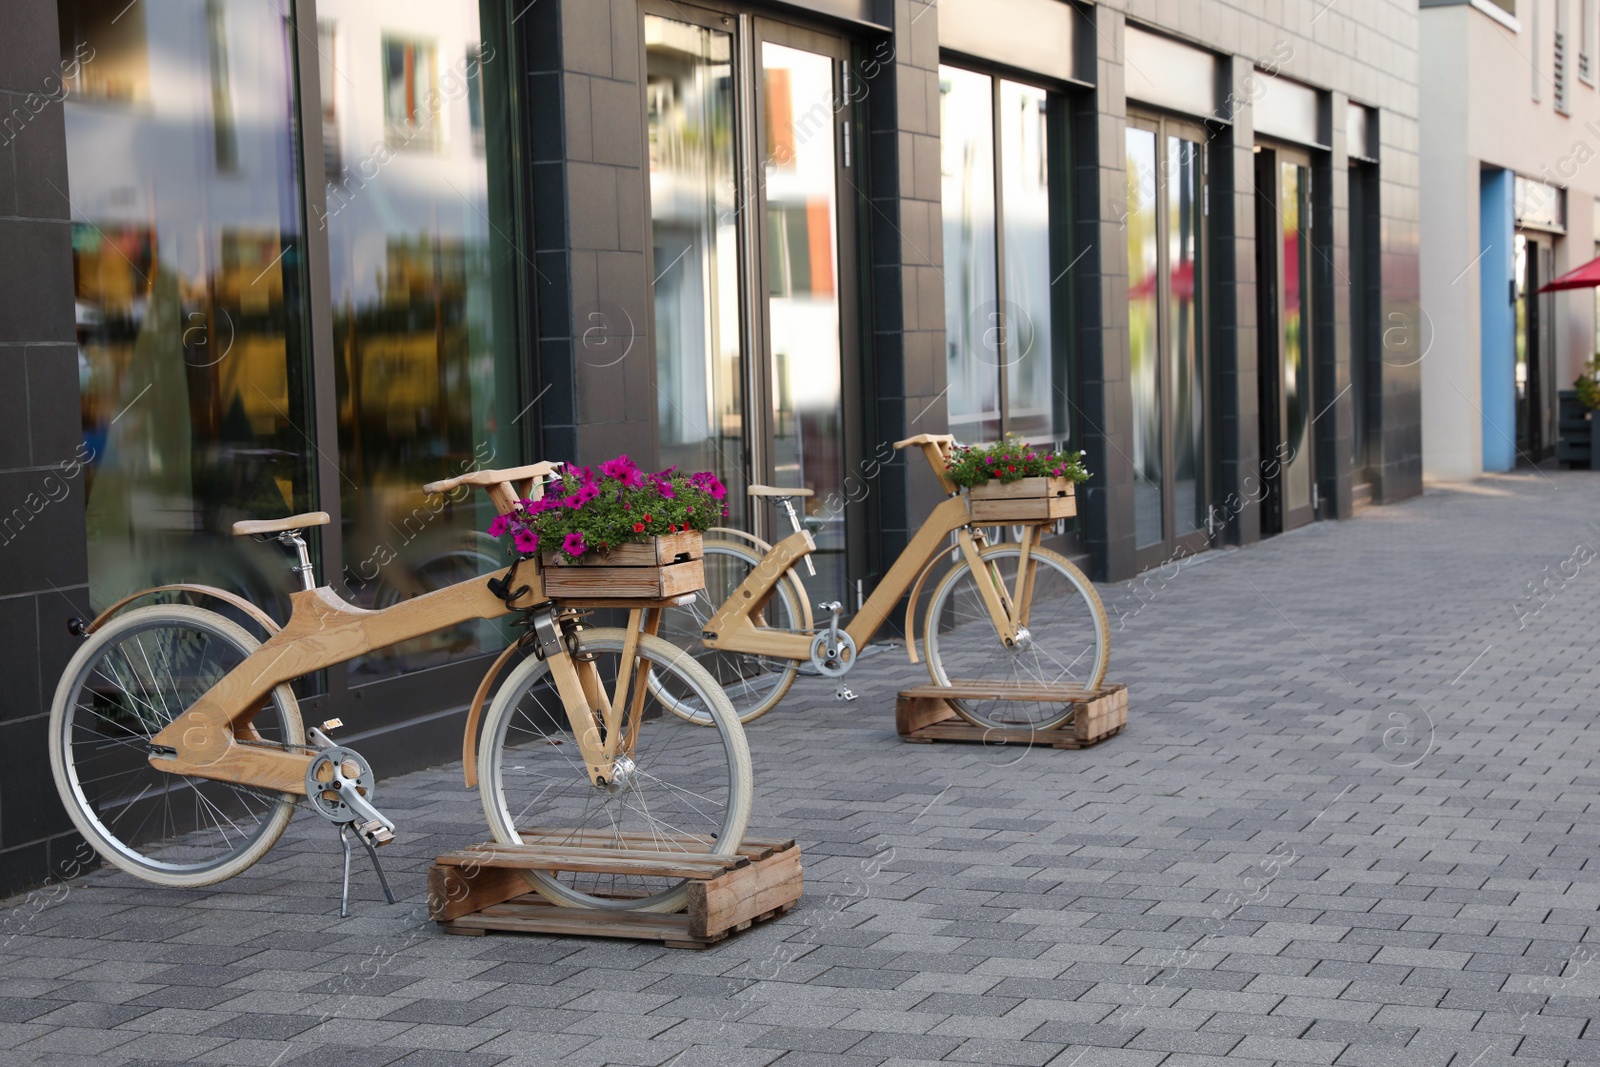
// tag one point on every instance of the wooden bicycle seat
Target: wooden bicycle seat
(941, 439)
(778, 491)
(292, 522)
(487, 478)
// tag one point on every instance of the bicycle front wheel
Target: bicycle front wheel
(126, 683)
(1068, 642)
(688, 789)
(754, 684)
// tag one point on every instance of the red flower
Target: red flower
(647, 516)
(638, 527)
(1011, 470)
(672, 527)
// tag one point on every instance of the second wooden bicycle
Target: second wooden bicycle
(1016, 617)
(180, 755)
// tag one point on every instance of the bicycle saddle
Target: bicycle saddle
(293, 522)
(779, 490)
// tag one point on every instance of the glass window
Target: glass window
(973, 325)
(1165, 223)
(1144, 279)
(423, 297)
(188, 250)
(694, 212)
(1005, 253)
(1294, 197)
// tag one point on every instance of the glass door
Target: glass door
(1166, 206)
(1283, 258)
(803, 183)
(754, 301)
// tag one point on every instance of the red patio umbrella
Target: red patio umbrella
(1585, 277)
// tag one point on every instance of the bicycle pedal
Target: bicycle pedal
(376, 832)
(844, 692)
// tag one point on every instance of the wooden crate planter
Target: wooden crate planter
(481, 888)
(924, 714)
(662, 567)
(1024, 500)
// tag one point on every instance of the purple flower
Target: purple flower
(573, 544)
(573, 501)
(623, 470)
(499, 525)
(526, 541)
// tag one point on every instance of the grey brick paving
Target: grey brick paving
(1353, 822)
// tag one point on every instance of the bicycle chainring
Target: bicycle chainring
(833, 654)
(333, 771)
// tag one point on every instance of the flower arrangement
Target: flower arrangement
(1587, 385)
(584, 512)
(1011, 460)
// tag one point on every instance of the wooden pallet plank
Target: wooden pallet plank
(739, 896)
(923, 715)
(752, 848)
(455, 891)
(593, 860)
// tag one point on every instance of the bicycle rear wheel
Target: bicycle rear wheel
(127, 682)
(1068, 644)
(754, 684)
(688, 790)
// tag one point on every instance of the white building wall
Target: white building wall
(1488, 100)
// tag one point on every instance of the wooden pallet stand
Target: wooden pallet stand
(924, 714)
(482, 888)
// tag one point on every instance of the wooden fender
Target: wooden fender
(911, 603)
(469, 738)
(268, 623)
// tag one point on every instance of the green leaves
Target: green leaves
(1012, 460)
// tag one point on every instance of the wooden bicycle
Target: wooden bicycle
(179, 752)
(1015, 627)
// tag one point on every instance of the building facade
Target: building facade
(1511, 127)
(266, 259)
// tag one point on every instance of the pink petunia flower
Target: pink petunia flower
(499, 525)
(526, 541)
(573, 544)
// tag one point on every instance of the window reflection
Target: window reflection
(693, 207)
(1296, 342)
(974, 322)
(188, 259)
(1034, 366)
(1184, 177)
(422, 304)
(803, 299)
(1143, 338)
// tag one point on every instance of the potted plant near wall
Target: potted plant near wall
(617, 531)
(1013, 481)
(1578, 444)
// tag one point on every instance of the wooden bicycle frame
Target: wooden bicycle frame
(324, 630)
(732, 628)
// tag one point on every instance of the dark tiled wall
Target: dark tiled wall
(906, 315)
(43, 553)
(585, 135)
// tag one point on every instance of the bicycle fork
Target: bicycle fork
(605, 726)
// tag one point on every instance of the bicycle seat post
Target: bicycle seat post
(787, 503)
(307, 573)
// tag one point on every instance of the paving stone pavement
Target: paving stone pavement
(1353, 821)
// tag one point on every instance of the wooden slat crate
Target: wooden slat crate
(481, 888)
(924, 714)
(662, 567)
(1024, 500)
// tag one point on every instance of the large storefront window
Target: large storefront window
(202, 403)
(189, 255)
(1164, 221)
(1004, 252)
(424, 361)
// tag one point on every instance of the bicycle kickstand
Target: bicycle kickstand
(344, 897)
